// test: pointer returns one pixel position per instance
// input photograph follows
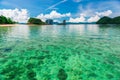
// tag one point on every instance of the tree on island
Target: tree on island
(108, 20)
(36, 21)
(116, 20)
(5, 20)
(104, 20)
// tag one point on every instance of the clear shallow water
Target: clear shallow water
(71, 52)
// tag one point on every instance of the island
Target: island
(108, 20)
(5, 20)
(104, 20)
(36, 21)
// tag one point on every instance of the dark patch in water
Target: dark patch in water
(45, 51)
(7, 49)
(109, 76)
(31, 75)
(30, 48)
(99, 53)
(22, 51)
(92, 75)
(37, 51)
(110, 62)
(41, 57)
(38, 57)
(99, 38)
(40, 45)
(40, 62)
(30, 66)
(96, 38)
(53, 62)
(64, 57)
(87, 56)
(93, 68)
(62, 74)
(2, 55)
(11, 72)
(14, 61)
(48, 56)
(52, 46)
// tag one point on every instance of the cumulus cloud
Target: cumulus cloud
(93, 18)
(16, 14)
(98, 15)
(105, 13)
(53, 15)
(81, 18)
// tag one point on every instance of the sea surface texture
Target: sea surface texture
(60, 52)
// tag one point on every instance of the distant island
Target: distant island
(108, 20)
(36, 21)
(5, 20)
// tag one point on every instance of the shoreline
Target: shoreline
(7, 25)
(10, 25)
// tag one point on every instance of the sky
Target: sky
(59, 10)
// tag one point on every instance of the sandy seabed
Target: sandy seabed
(70, 52)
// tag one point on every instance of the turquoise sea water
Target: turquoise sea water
(57, 52)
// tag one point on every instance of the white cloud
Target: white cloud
(85, 17)
(16, 14)
(53, 15)
(93, 18)
(57, 21)
(81, 18)
(87, 10)
(105, 13)
(98, 15)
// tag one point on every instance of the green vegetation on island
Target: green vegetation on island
(103, 20)
(36, 21)
(108, 20)
(5, 20)
(116, 20)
